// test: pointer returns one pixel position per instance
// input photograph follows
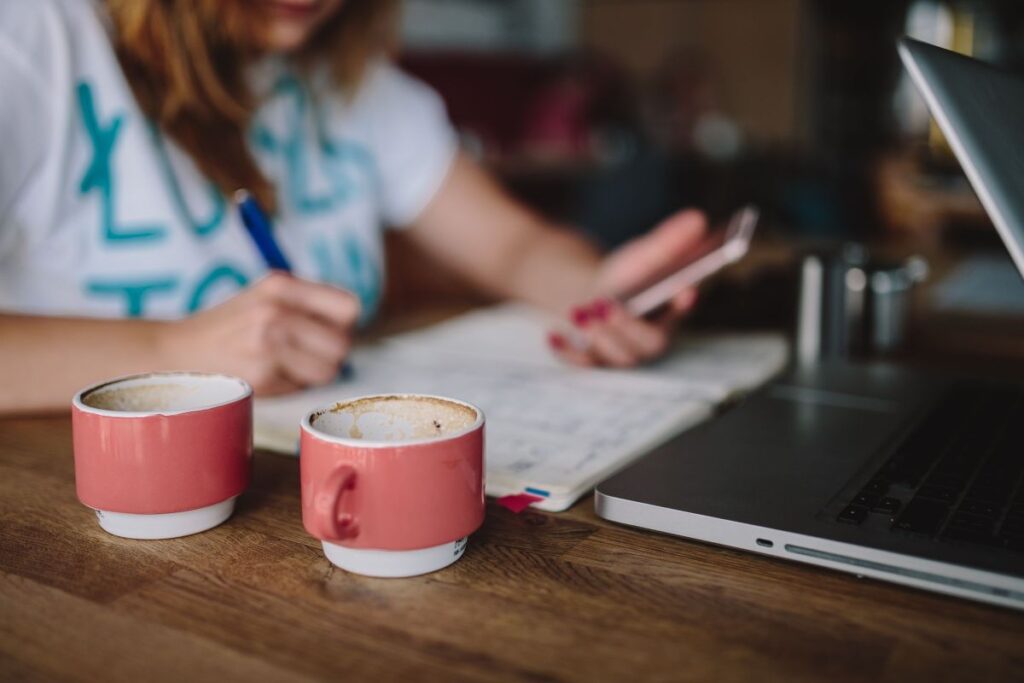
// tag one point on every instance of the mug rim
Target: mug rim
(78, 401)
(307, 423)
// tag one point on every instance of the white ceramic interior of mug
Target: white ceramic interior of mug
(165, 393)
(393, 419)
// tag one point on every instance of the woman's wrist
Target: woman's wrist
(559, 272)
(161, 341)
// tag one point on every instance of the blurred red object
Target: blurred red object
(520, 105)
(488, 96)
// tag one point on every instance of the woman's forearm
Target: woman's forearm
(44, 361)
(555, 271)
(281, 334)
(474, 227)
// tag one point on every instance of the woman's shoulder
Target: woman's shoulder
(37, 34)
(39, 24)
(385, 84)
(390, 99)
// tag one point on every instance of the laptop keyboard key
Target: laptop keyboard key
(866, 500)
(875, 487)
(939, 493)
(909, 472)
(889, 506)
(995, 495)
(968, 522)
(952, 482)
(990, 494)
(974, 537)
(922, 516)
(853, 514)
(978, 507)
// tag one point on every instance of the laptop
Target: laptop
(872, 469)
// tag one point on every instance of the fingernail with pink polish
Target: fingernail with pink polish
(601, 309)
(580, 316)
(556, 341)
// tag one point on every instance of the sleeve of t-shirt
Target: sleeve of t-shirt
(23, 121)
(412, 141)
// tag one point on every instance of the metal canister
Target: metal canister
(851, 306)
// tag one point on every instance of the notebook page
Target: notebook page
(721, 364)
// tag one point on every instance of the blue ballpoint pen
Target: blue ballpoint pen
(258, 226)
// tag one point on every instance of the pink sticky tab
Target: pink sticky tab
(517, 502)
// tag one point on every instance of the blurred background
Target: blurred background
(610, 114)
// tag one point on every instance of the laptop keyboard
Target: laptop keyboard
(957, 475)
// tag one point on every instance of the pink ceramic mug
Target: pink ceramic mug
(393, 484)
(162, 455)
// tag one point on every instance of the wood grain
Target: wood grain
(538, 597)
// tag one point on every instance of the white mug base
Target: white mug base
(168, 525)
(394, 563)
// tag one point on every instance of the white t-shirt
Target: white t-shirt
(101, 215)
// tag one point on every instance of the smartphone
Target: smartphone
(716, 251)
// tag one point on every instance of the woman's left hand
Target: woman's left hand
(609, 334)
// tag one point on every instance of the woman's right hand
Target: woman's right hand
(280, 335)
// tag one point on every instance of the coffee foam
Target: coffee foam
(165, 393)
(142, 398)
(395, 418)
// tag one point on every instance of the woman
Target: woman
(129, 124)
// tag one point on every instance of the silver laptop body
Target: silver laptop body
(808, 468)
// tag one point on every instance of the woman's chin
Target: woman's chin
(286, 38)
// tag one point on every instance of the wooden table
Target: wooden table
(537, 597)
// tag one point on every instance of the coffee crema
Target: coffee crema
(395, 418)
(164, 393)
(141, 398)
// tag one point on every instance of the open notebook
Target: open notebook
(552, 430)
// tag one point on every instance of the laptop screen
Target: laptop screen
(980, 109)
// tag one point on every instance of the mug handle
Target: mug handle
(339, 525)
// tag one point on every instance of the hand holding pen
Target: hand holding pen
(329, 345)
(281, 334)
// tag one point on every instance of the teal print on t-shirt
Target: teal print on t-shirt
(222, 278)
(344, 161)
(99, 176)
(134, 293)
(343, 165)
(346, 265)
(202, 228)
(220, 274)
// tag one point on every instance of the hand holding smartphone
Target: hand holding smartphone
(717, 250)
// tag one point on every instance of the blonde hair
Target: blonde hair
(185, 61)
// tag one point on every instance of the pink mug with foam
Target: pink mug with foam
(393, 484)
(162, 455)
